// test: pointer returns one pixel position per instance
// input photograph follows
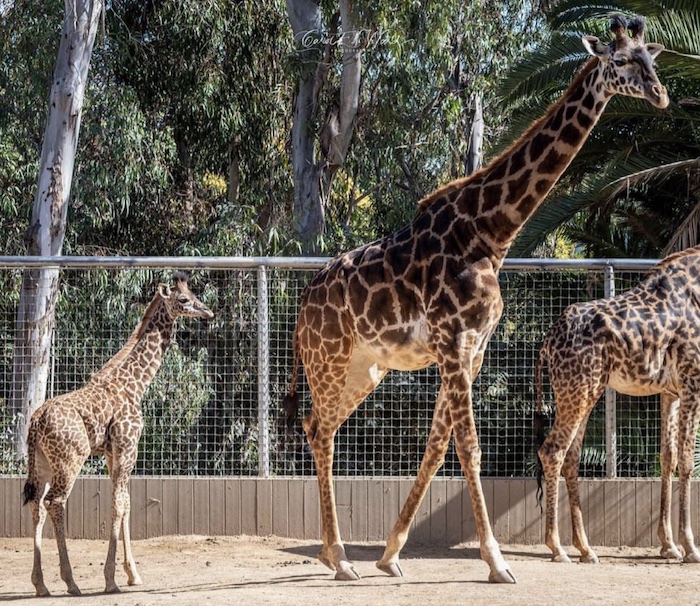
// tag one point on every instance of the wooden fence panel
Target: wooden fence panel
(233, 507)
(296, 514)
(280, 508)
(360, 511)
(616, 512)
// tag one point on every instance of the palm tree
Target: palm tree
(634, 190)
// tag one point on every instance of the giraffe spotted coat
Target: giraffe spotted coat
(103, 417)
(429, 293)
(642, 342)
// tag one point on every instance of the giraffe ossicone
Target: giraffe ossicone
(429, 293)
(644, 341)
(103, 417)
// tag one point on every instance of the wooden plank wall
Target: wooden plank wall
(616, 512)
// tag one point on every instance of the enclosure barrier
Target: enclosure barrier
(214, 456)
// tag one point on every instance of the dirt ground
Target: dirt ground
(250, 570)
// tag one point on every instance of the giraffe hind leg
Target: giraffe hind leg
(570, 472)
(38, 519)
(351, 383)
(57, 512)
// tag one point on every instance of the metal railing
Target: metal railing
(396, 417)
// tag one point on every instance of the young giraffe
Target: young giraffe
(429, 293)
(642, 342)
(103, 417)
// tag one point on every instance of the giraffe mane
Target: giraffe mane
(463, 182)
(117, 359)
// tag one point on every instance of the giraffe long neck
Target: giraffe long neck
(518, 182)
(497, 201)
(132, 369)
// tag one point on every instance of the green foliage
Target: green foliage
(629, 190)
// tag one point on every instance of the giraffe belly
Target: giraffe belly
(643, 384)
(410, 355)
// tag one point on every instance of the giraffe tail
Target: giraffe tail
(30, 486)
(539, 418)
(291, 400)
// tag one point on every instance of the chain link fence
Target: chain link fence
(215, 406)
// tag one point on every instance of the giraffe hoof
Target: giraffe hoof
(591, 558)
(346, 572)
(692, 557)
(671, 553)
(112, 589)
(75, 590)
(393, 569)
(561, 558)
(42, 592)
(502, 576)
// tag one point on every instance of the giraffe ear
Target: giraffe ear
(595, 47)
(164, 291)
(654, 49)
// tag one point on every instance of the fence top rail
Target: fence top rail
(300, 263)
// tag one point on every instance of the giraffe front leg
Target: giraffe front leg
(690, 411)
(469, 455)
(119, 473)
(434, 457)
(459, 397)
(669, 463)
(110, 562)
(132, 574)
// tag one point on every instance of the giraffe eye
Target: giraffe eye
(620, 62)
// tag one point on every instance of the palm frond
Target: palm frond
(653, 173)
(596, 188)
(687, 234)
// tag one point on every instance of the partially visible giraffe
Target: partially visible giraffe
(645, 341)
(103, 417)
(429, 293)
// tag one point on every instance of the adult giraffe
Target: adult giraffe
(103, 417)
(643, 342)
(429, 293)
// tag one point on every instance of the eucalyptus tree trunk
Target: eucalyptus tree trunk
(35, 315)
(475, 151)
(316, 156)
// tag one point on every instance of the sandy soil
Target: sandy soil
(250, 570)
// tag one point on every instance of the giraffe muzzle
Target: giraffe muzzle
(659, 96)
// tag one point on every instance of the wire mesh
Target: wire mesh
(201, 412)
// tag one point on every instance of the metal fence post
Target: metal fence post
(263, 375)
(610, 398)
